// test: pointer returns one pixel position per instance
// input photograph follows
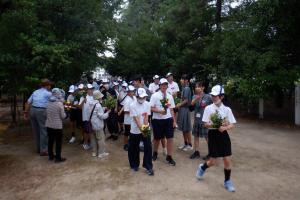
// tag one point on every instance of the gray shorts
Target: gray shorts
(199, 130)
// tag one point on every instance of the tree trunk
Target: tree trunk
(218, 14)
(14, 108)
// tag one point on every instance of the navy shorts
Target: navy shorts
(162, 128)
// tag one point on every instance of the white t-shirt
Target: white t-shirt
(173, 88)
(156, 103)
(224, 111)
(127, 102)
(121, 96)
(153, 87)
(87, 107)
(138, 110)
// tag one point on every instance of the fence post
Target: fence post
(297, 104)
(261, 108)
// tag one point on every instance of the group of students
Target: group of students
(139, 106)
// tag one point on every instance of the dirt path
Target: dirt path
(266, 166)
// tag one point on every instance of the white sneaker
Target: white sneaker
(86, 146)
(188, 148)
(94, 154)
(182, 147)
(164, 151)
(72, 140)
(103, 155)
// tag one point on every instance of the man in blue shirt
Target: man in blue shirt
(37, 104)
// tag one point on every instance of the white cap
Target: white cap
(130, 88)
(115, 83)
(217, 90)
(155, 77)
(90, 86)
(124, 84)
(71, 89)
(97, 95)
(169, 74)
(80, 86)
(105, 80)
(163, 81)
(141, 92)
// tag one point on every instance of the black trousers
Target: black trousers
(54, 135)
(134, 151)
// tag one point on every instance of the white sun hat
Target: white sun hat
(217, 90)
(155, 77)
(71, 89)
(163, 81)
(141, 92)
(80, 86)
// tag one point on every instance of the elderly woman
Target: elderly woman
(55, 114)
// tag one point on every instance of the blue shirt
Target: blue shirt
(40, 98)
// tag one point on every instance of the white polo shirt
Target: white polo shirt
(153, 87)
(173, 88)
(224, 111)
(138, 110)
(87, 107)
(127, 102)
(155, 103)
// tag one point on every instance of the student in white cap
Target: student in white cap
(173, 88)
(154, 87)
(97, 119)
(140, 111)
(116, 88)
(163, 120)
(87, 103)
(219, 143)
(121, 101)
(73, 112)
(129, 99)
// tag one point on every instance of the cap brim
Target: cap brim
(71, 90)
(143, 95)
(214, 93)
(164, 83)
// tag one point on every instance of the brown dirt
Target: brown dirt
(266, 165)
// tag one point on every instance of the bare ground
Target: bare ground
(266, 165)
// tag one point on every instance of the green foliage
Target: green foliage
(256, 48)
(56, 39)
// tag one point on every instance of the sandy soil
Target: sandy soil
(266, 165)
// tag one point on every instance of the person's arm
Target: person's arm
(101, 114)
(226, 127)
(194, 101)
(174, 118)
(27, 107)
(63, 114)
(137, 121)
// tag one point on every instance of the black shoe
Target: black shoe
(196, 154)
(170, 161)
(154, 156)
(150, 172)
(125, 147)
(60, 160)
(206, 157)
(51, 158)
(115, 137)
(135, 169)
(110, 137)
